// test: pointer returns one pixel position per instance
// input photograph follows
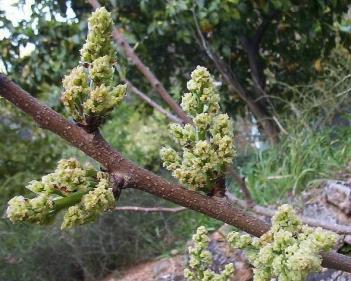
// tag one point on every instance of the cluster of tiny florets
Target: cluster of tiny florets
(200, 261)
(84, 191)
(207, 144)
(90, 91)
(99, 41)
(289, 251)
(95, 202)
(36, 210)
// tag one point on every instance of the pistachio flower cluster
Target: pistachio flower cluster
(95, 202)
(289, 251)
(36, 210)
(201, 260)
(90, 91)
(207, 143)
(84, 191)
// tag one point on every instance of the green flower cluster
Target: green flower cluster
(201, 260)
(90, 90)
(95, 202)
(99, 42)
(36, 210)
(289, 251)
(84, 191)
(207, 143)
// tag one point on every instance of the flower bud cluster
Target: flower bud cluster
(99, 41)
(200, 261)
(289, 251)
(207, 144)
(84, 191)
(36, 210)
(68, 177)
(95, 202)
(90, 90)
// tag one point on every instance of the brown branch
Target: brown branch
(235, 87)
(149, 75)
(135, 177)
(262, 28)
(256, 64)
(151, 210)
(152, 103)
(269, 212)
(251, 45)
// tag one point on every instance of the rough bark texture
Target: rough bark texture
(135, 177)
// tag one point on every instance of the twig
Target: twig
(269, 212)
(150, 210)
(149, 75)
(242, 184)
(152, 103)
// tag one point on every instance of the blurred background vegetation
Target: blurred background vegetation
(298, 75)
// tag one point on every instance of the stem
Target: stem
(68, 201)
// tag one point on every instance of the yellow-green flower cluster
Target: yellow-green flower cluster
(95, 202)
(207, 144)
(200, 261)
(289, 251)
(90, 90)
(69, 176)
(102, 99)
(36, 210)
(102, 71)
(84, 191)
(99, 41)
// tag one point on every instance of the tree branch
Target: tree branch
(234, 85)
(261, 29)
(269, 212)
(97, 148)
(151, 210)
(251, 46)
(149, 75)
(152, 103)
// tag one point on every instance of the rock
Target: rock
(338, 193)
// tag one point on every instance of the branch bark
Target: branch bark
(269, 212)
(149, 75)
(150, 209)
(96, 147)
